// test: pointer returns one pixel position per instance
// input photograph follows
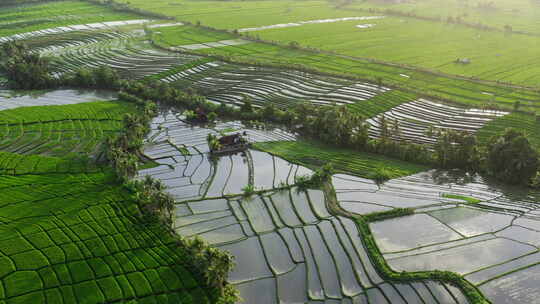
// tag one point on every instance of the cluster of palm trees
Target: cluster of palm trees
(24, 69)
(215, 265)
(152, 199)
(123, 149)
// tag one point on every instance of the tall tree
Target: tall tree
(511, 158)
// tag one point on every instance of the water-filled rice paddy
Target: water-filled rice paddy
(12, 99)
(287, 244)
(416, 118)
(229, 83)
(491, 242)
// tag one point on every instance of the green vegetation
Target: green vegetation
(519, 15)
(77, 237)
(361, 164)
(33, 17)
(184, 35)
(510, 157)
(381, 103)
(414, 80)
(468, 199)
(434, 45)
(66, 130)
(240, 14)
(523, 122)
(384, 215)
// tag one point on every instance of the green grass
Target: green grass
(523, 122)
(67, 130)
(184, 35)
(381, 103)
(522, 15)
(27, 18)
(470, 200)
(361, 164)
(240, 14)
(495, 56)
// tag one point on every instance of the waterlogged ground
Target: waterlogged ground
(493, 242)
(12, 99)
(288, 247)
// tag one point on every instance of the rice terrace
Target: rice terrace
(270, 151)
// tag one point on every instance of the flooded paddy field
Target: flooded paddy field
(124, 47)
(288, 246)
(492, 241)
(13, 99)
(416, 118)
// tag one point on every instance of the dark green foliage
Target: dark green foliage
(384, 215)
(315, 181)
(511, 158)
(102, 77)
(455, 149)
(520, 121)
(23, 69)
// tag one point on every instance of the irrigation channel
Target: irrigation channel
(288, 246)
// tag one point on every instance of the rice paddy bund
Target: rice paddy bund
(71, 232)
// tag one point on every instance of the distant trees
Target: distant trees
(511, 158)
(24, 69)
(102, 77)
(456, 149)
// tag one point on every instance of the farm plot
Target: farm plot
(12, 99)
(413, 79)
(242, 14)
(523, 122)
(287, 245)
(415, 119)
(290, 249)
(70, 29)
(431, 190)
(485, 232)
(127, 52)
(76, 238)
(228, 83)
(68, 130)
(40, 16)
(520, 14)
(347, 161)
(437, 46)
(186, 168)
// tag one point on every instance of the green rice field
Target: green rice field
(32, 17)
(67, 130)
(476, 94)
(342, 160)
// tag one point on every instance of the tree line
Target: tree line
(508, 157)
